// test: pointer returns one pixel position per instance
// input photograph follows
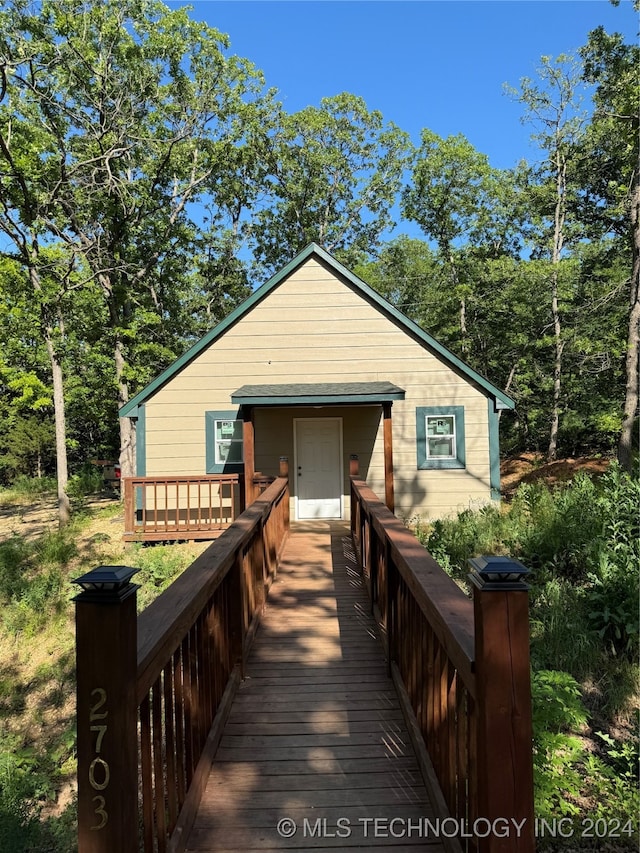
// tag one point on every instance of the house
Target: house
(317, 367)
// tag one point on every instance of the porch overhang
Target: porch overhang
(318, 394)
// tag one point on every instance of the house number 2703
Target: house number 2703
(99, 773)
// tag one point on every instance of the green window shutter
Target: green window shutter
(440, 437)
(210, 419)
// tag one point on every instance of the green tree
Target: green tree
(552, 105)
(408, 273)
(27, 437)
(136, 109)
(333, 175)
(612, 185)
(461, 203)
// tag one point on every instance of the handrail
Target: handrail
(448, 610)
(462, 666)
(180, 506)
(164, 620)
(154, 691)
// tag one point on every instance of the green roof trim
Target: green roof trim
(494, 451)
(326, 393)
(266, 288)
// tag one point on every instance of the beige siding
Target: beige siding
(316, 328)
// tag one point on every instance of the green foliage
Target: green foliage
(32, 487)
(34, 589)
(566, 772)
(579, 531)
(27, 780)
(557, 712)
(583, 541)
(13, 558)
(159, 565)
(26, 448)
(87, 481)
(333, 174)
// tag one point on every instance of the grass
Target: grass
(25, 490)
(37, 669)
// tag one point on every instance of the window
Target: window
(228, 441)
(440, 436)
(224, 447)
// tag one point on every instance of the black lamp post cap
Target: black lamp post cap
(499, 573)
(107, 581)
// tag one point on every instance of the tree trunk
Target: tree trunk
(557, 371)
(625, 445)
(64, 504)
(59, 415)
(463, 323)
(126, 428)
(455, 281)
(558, 242)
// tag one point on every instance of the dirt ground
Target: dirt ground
(532, 468)
(30, 520)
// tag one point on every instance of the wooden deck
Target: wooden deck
(315, 735)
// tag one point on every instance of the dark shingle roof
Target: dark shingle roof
(298, 393)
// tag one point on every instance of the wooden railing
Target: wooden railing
(463, 668)
(149, 720)
(189, 507)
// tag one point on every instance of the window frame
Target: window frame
(424, 461)
(213, 466)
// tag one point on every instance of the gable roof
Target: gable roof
(502, 400)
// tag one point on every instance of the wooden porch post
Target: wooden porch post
(129, 517)
(389, 498)
(248, 439)
(284, 472)
(107, 713)
(504, 733)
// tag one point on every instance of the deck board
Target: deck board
(315, 733)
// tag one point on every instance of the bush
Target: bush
(87, 481)
(557, 713)
(566, 773)
(159, 565)
(14, 554)
(33, 586)
(583, 543)
(25, 784)
(34, 486)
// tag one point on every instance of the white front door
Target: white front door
(318, 445)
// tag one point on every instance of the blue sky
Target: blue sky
(439, 64)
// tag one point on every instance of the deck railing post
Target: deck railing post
(238, 598)
(503, 686)
(354, 513)
(106, 665)
(391, 576)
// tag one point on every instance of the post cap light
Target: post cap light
(498, 573)
(107, 583)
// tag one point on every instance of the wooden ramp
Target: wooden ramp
(316, 753)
